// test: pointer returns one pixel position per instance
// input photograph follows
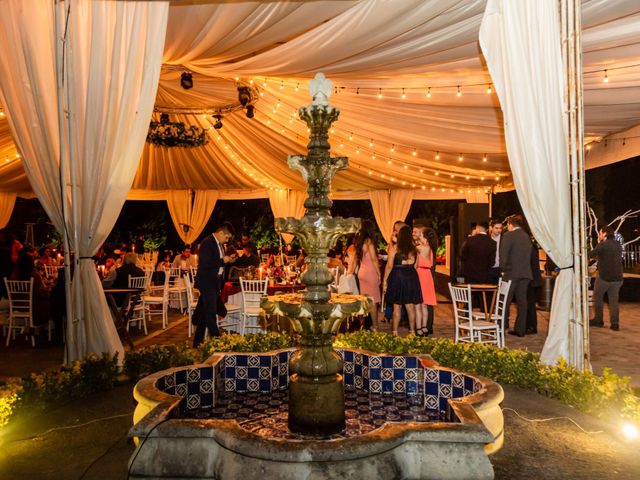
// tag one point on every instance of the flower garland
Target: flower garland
(175, 134)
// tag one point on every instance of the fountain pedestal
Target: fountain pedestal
(316, 399)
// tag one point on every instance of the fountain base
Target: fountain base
(316, 407)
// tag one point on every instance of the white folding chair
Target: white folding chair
(51, 271)
(160, 298)
(192, 301)
(20, 293)
(138, 310)
(176, 286)
(499, 313)
(468, 329)
(252, 291)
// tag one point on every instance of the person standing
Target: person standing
(515, 263)
(367, 268)
(533, 290)
(495, 230)
(426, 259)
(209, 280)
(478, 255)
(608, 252)
(401, 283)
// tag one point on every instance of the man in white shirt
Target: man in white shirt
(185, 261)
(495, 230)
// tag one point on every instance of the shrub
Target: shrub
(247, 343)
(142, 362)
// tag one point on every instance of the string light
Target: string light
(281, 84)
(404, 95)
(414, 153)
(606, 77)
(459, 92)
(264, 84)
(393, 147)
(358, 91)
(251, 82)
(437, 155)
(371, 142)
(489, 90)
(351, 136)
(379, 93)
(429, 92)
(297, 87)
(484, 158)
(460, 158)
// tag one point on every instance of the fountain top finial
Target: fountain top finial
(320, 88)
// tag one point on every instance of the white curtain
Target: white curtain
(191, 216)
(287, 203)
(527, 70)
(7, 201)
(111, 67)
(388, 207)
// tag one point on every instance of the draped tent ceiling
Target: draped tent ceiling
(443, 146)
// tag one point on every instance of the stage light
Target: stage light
(250, 111)
(244, 96)
(218, 124)
(186, 81)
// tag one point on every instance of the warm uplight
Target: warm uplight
(630, 431)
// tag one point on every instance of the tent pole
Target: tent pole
(71, 346)
(572, 55)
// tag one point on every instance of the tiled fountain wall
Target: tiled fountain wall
(375, 373)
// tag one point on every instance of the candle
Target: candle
(260, 273)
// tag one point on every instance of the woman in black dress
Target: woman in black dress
(401, 284)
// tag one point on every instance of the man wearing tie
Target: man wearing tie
(209, 281)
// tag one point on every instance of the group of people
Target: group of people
(489, 255)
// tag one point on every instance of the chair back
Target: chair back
(51, 271)
(138, 282)
(20, 293)
(190, 298)
(252, 291)
(461, 300)
(501, 300)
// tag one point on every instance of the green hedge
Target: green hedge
(602, 395)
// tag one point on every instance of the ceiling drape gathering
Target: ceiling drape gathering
(526, 67)
(390, 206)
(7, 201)
(110, 73)
(287, 203)
(190, 215)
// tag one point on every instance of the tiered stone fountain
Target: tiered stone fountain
(242, 415)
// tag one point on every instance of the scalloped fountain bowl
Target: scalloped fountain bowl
(406, 417)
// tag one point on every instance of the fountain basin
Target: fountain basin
(459, 421)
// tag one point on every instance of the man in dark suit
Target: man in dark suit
(212, 261)
(533, 290)
(515, 263)
(477, 255)
(495, 232)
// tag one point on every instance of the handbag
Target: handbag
(348, 284)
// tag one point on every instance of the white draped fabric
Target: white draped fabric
(190, 216)
(366, 47)
(7, 201)
(110, 76)
(526, 67)
(287, 203)
(390, 206)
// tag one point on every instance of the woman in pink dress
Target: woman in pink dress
(424, 264)
(367, 267)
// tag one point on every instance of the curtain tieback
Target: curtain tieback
(566, 268)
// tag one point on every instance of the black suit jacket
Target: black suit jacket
(515, 255)
(478, 255)
(209, 263)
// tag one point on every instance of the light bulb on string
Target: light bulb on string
(371, 142)
(606, 77)
(393, 147)
(489, 90)
(404, 95)
(351, 136)
(264, 84)
(297, 87)
(437, 155)
(459, 91)
(414, 153)
(460, 158)
(429, 92)
(281, 84)
(379, 93)
(484, 158)
(251, 82)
